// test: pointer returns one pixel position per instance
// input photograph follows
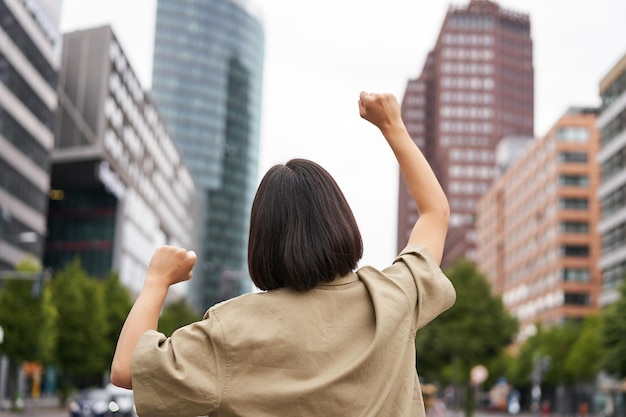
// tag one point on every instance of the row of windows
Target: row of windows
(465, 127)
(575, 134)
(577, 299)
(447, 140)
(575, 157)
(463, 112)
(613, 128)
(574, 251)
(11, 230)
(614, 201)
(614, 165)
(483, 155)
(578, 227)
(23, 42)
(573, 180)
(467, 39)
(13, 182)
(472, 171)
(473, 83)
(614, 91)
(468, 187)
(465, 68)
(613, 275)
(614, 238)
(20, 88)
(576, 275)
(573, 203)
(468, 21)
(462, 97)
(22, 140)
(471, 54)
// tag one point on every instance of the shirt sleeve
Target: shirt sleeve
(435, 292)
(179, 375)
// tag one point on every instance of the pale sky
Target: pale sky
(320, 54)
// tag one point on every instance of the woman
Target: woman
(323, 339)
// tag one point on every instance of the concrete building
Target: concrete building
(207, 79)
(476, 87)
(537, 241)
(612, 190)
(119, 185)
(30, 45)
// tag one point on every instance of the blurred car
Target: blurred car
(103, 402)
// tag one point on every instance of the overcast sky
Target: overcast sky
(320, 54)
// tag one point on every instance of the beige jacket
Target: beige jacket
(346, 348)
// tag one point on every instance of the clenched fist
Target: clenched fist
(382, 110)
(170, 265)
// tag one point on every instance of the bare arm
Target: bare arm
(383, 110)
(168, 266)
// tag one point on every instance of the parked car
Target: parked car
(103, 402)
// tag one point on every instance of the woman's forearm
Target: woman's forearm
(143, 316)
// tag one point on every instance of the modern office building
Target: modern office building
(30, 45)
(612, 190)
(119, 185)
(476, 87)
(536, 226)
(207, 79)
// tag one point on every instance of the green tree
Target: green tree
(586, 356)
(519, 371)
(614, 329)
(118, 302)
(476, 330)
(81, 349)
(176, 314)
(27, 316)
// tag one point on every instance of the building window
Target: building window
(573, 180)
(576, 275)
(614, 201)
(575, 251)
(571, 203)
(574, 227)
(573, 134)
(576, 298)
(576, 157)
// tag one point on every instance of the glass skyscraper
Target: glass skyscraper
(207, 80)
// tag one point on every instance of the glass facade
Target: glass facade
(208, 65)
(29, 61)
(120, 187)
(612, 157)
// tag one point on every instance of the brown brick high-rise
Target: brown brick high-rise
(475, 88)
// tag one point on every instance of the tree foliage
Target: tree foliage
(586, 357)
(614, 329)
(27, 318)
(176, 314)
(82, 346)
(474, 331)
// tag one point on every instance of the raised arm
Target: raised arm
(383, 110)
(169, 265)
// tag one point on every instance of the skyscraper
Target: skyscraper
(30, 45)
(476, 87)
(207, 77)
(119, 185)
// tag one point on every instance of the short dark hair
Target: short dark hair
(302, 230)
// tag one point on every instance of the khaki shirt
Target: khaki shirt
(345, 348)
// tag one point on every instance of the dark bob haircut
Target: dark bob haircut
(302, 230)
